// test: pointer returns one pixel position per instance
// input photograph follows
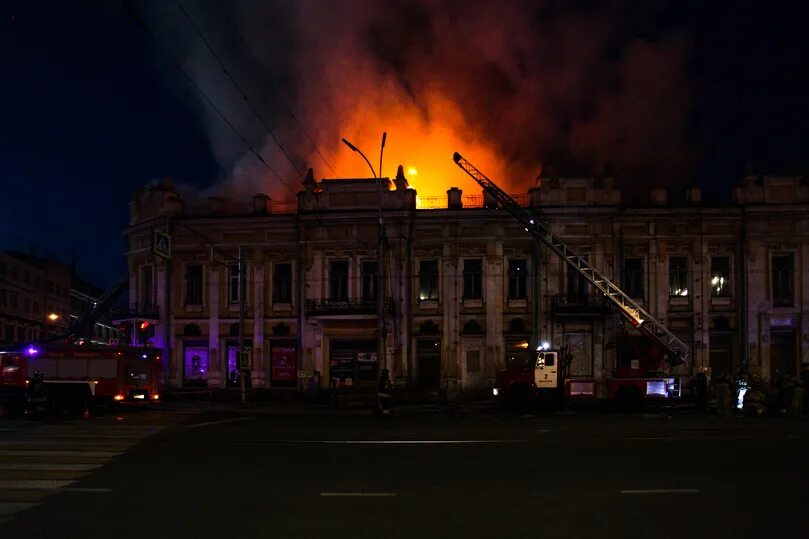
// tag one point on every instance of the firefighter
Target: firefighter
(723, 395)
(384, 395)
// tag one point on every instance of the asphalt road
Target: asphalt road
(234, 474)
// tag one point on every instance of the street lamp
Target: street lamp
(380, 300)
(53, 317)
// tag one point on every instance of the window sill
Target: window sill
(281, 306)
(472, 303)
(720, 300)
(679, 300)
(518, 303)
(193, 308)
(428, 304)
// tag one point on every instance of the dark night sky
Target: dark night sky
(88, 116)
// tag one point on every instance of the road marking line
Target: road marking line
(672, 438)
(9, 508)
(358, 494)
(662, 491)
(48, 467)
(57, 453)
(197, 425)
(408, 442)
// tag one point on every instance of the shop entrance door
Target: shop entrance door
(783, 360)
(429, 366)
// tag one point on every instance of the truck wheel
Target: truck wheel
(629, 400)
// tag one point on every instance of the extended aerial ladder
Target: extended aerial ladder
(677, 352)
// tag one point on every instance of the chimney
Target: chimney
(535, 197)
(401, 181)
(261, 204)
(489, 202)
(454, 198)
(658, 196)
(309, 182)
(693, 195)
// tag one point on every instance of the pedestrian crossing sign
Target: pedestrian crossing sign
(161, 244)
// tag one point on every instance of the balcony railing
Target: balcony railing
(588, 305)
(345, 306)
(138, 310)
(468, 201)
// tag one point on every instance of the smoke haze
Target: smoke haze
(516, 87)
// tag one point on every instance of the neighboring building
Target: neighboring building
(83, 298)
(465, 291)
(39, 296)
(34, 297)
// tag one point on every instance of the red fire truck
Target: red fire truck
(77, 376)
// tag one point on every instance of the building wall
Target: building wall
(31, 289)
(452, 345)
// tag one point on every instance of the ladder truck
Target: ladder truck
(629, 386)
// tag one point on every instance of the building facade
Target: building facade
(463, 290)
(40, 297)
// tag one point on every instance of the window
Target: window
(369, 275)
(576, 283)
(720, 277)
(428, 280)
(338, 280)
(12, 300)
(234, 284)
(678, 276)
(193, 284)
(282, 283)
(2, 269)
(27, 276)
(9, 334)
(2, 298)
(783, 280)
(36, 307)
(633, 278)
(473, 278)
(517, 278)
(20, 334)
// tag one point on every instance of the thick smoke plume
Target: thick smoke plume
(517, 87)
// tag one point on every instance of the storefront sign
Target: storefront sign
(284, 364)
(196, 362)
(783, 322)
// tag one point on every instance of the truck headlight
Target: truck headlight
(495, 391)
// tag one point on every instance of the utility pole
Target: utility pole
(244, 370)
(380, 277)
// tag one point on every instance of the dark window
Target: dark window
(2, 269)
(720, 276)
(633, 278)
(678, 276)
(576, 283)
(428, 280)
(27, 277)
(2, 298)
(9, 333)
(20, 334)
(338, 280)
(12, 300)
(473, 279)
(234, 284)
(193, 284)
(36, 307)
(783, 280)
(369, 275)
(517, 278)
(282, 283)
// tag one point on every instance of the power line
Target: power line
(133, 13)
(239, 88)
(288, 109)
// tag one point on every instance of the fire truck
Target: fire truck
(647, 353)
(77, 377)
(66, 372)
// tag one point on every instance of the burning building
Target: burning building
(463, 290)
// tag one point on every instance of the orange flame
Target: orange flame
(423, 146)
